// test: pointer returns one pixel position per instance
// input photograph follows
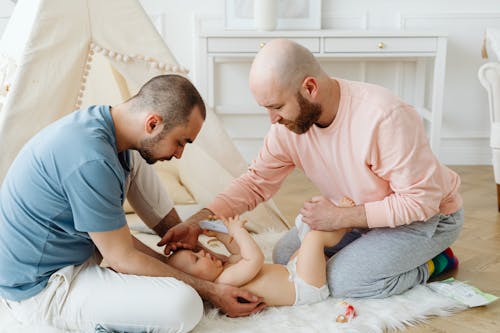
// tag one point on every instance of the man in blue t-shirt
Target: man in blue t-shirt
(62, 198)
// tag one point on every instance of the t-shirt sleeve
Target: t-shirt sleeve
(95, 194)
(402, 156)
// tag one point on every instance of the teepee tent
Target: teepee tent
(60, 55)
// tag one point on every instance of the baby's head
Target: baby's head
(200, 264)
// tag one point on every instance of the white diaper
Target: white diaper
(302, 228)
(304, 292)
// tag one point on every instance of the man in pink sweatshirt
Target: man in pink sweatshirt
(354, 140)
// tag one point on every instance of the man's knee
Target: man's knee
(189, 308)
(286, 247)
(345, 281)
(177, 309)
(341, 282)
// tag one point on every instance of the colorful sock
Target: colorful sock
(443, 262)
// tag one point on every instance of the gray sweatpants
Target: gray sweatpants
(384, 261)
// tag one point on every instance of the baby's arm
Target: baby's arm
(227, 240)
(251, 260)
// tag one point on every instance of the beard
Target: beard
(146, 148)
(309, 114)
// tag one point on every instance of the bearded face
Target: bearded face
(309, 114)
(147, 147)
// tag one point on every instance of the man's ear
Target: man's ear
(153, 121)
(310, 87)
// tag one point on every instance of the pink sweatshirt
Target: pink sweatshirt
(374, 152)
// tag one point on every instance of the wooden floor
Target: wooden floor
(478, 248)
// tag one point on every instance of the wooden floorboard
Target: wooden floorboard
(478, 247)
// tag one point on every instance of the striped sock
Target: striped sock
(443, 262)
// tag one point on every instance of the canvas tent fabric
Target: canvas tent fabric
(59, 55)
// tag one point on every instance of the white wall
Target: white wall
(465, 134)
(6, 7)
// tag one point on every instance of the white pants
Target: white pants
(78, 298)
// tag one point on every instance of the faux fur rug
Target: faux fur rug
(373, 315)
(411, 308)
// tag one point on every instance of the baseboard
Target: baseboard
(465, 151)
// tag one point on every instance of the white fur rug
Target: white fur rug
(374, 315)
(382, 315)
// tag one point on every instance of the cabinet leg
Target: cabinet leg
(498, 197)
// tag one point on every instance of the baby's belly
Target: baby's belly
(272, 283)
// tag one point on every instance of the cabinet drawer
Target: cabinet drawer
(252, 44)
(379, 44)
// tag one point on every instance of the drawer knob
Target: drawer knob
(262, 44)
(381, 45)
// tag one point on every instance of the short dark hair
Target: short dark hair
(172, 96)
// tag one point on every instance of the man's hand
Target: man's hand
(185, 233)
(319, 213)
(322, 214)
(235, 302)
(182, 235)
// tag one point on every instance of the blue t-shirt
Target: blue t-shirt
(68, 180)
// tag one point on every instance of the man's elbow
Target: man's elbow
(120, 264)
(114, 265)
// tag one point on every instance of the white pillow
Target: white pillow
(169, 177)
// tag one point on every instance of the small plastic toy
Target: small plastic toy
(214, 225)
(345, 312)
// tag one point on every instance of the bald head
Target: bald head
(284, 64)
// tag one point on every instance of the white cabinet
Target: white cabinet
(379, 44)
(411, 64)
(240, 45)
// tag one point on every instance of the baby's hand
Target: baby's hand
(346, 202)
(233, 224)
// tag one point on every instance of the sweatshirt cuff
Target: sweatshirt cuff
(220, 208)
(376, 215)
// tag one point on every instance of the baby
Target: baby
(301, 281)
